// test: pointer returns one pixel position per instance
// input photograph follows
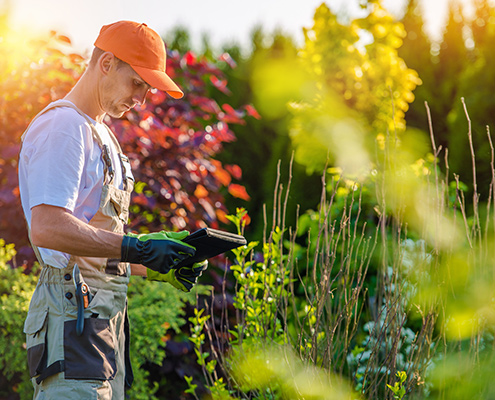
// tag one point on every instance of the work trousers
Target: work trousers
(65, 365)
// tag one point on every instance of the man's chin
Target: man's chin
(116, 114)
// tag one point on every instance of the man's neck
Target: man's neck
(84, 97)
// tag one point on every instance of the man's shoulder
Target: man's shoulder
(63, 115)
(61, 120)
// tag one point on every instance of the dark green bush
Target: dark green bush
(155, 310)
(16, 288)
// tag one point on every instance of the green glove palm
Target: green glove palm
(183, 278)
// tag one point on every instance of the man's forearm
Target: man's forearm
(57, 229)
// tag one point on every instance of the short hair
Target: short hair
(97, 52)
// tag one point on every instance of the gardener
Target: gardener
(75, 187)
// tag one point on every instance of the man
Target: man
(75, 187)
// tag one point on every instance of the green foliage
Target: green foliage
(261, 364)
(197, 336)
(155, 310)
(398, 389)
(16, 288)
(216, 386)
(260, 287)
(362, 88)
(330, 311)
(264, 142)
(33, 72)
(270, 372)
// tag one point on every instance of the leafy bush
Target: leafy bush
(16, 289)
(33, 72)
(172, 146)
(171, 143)
(325, 306)
(156, 310)
(353, 86)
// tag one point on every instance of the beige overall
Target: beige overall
(96, 364)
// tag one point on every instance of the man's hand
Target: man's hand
(183, 278)
(158, 251)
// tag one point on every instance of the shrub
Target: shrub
(171, 144)
(16, 289)
(33, 72)
(341, 303)
(156, 311)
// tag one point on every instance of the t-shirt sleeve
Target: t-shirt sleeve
(55, 164)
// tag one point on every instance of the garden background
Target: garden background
(360, 167)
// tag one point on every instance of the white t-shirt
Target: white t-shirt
(60, 165)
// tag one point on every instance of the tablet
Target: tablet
(210, 243)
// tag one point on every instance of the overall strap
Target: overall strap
(35, 248)
(122, 157)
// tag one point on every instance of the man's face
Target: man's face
(122, 89)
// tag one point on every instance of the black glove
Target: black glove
(159, 251)
(188, 276)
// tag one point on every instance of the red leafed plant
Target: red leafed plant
(172, 143)
(32, 74)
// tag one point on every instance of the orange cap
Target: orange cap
(143, 49)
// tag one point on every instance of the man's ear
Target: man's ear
(105, 62)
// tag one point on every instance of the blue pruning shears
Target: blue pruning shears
(83, 298)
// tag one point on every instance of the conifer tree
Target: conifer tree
(416, 52)
(476, 84)
(451, 61)
(262, 143)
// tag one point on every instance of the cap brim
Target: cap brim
(159, 80)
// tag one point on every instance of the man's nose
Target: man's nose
(140, 97)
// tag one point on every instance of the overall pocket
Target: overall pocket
(121, 210)
(91, 355)
(35, 328)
